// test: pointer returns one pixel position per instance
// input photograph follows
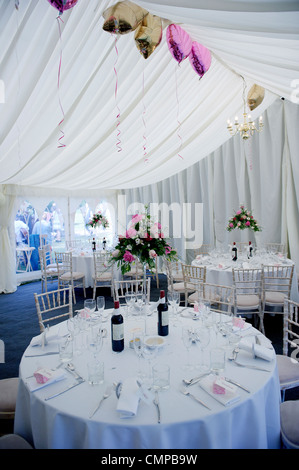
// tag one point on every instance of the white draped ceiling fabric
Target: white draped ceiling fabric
(171, 126)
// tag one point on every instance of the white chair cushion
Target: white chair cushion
(104, 276)
(177, 277)
(8, 394)
(288, 371)
(68, 276)
(180, 286)
(289, 419)
(274, 297)
(247, 301)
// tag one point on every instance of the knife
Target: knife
(237, 384)
(43, 354)
(156, 402)
(62, 391)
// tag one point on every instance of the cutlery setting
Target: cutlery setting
(157, 404)
(79, 380)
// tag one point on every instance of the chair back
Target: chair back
(72, 245)
(59, 301)
(291, 328)
(204, 249)
(219, 298)
(193, 277)
(132, 286)
(173, 272)
(278, 280)
(101, 263)
(247, 281)
(64, 263)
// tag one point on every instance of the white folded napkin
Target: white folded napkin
(129, 398)
(263, 352)
(212, 384)
(43, 339)
(239, 324)
(55, 376)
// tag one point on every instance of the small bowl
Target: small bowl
(155, 341)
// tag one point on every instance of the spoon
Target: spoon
(185, 392)
(105, 395)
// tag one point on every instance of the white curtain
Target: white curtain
(262, 173)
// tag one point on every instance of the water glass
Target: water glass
(101, 308)
(95, 372)
(90, 306)
(217, 356)
(65, 350)
(161, 377)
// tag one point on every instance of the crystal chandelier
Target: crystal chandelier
(247, 127)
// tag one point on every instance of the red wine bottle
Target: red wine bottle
(94, 245)
(250, 249)
(162, 315)
(235, 252)
(117, 329)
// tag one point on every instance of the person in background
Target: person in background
(21, 232)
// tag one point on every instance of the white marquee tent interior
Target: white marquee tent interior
(85, 117)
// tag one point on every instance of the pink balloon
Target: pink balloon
(179, 42)
(63, 5)
(200, 58)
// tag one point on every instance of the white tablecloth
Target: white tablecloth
(83, 262)
(63, 422)
(219, 267)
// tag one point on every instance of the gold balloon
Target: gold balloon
(255, 96)
(148, 35)
(123, 17)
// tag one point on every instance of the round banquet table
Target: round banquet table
(219, 267)
(63, 422)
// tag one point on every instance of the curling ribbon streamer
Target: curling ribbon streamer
(144, 123)
(118, 141)
(179, 123)
(61, 145)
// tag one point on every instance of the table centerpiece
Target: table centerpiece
(143, 241)
(242, 219)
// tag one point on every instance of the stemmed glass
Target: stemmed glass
(73, 326)
(202, 336)
(138, 339)
(174, 301)
(90, 306)
(95, 341)
(187, 340)
(130, 301)
(150, 351)
(140, 301)
(101, 308)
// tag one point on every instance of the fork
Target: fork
(105, 395)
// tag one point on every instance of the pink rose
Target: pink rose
(238, 212)
(152, 254)
(136, 218)
(231, 224)
(167, 250)
(131, 232)
(128, 257)
(247, 223)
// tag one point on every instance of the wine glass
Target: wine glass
(130, 301)
(202, 336)
(150, 351)
(73, 326)
(101, 308)
(187, 338)
(90, 306)
(174, 301)
(95, 341)
(138, 341)
(140, 301)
